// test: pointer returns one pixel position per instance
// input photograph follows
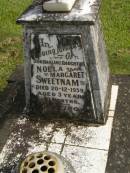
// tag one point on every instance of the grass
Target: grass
(10, 38)
(115, 15)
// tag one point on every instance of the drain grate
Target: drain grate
(42, 162)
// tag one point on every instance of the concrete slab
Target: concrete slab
(85, 160)
(57, 148)
(46, 131)
(59, 135)
(91, 137)
(85, 146)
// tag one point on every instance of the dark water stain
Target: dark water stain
(47, 108)
(32, 70)
(35, 52)
(68, 41)
(53, 109)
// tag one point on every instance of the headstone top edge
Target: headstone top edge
(86, 12)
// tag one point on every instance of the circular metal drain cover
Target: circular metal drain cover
(42, 162)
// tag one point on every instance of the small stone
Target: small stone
(58, 5)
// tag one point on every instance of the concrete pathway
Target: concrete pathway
(86, 146)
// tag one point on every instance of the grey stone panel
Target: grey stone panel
(58, 29)
(95, 63)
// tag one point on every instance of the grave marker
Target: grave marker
(66, 68)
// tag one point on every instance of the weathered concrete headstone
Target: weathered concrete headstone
(66, 68)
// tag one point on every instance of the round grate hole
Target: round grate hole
(51, 170)
(35, 171)
(44, 168)
(25, 163)
(40, 161)
(39, 155)
(47, 157)
(31, 158)
(52, 163)
(24, 171)
(32, 165)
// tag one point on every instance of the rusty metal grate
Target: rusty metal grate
(42, 162)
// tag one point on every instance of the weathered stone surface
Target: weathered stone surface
(59, 74)
(66, 68)
(82, 12)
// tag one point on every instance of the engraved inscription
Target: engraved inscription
(59, 71)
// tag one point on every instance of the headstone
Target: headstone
(66, 68)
